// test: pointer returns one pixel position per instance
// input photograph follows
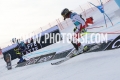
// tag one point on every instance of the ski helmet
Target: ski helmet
(65, 12)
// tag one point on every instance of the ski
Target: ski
(69, 56)
(61, 61)
(8, 61)
(91, 48)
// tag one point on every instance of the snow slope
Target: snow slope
(102, 65)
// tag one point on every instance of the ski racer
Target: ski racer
(79, 22)
(19, 50)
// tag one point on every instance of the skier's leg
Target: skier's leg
(80, 49)
(75, 45)
(78, 46)
(20, 58)
(83, 28)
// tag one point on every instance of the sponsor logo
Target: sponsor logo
(116, 44)
(31, 61)
(40, 59)
(44, 59)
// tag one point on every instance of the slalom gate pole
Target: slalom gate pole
(102, 13)
(105, 13)
(109, 19)
(94, 27)
(105, 20)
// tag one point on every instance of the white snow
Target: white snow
(103, 65)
